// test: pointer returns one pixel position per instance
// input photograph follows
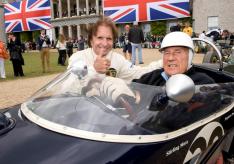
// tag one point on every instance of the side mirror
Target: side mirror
(180, 88)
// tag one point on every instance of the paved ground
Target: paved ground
(17, 91)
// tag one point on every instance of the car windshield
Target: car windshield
(72, 100)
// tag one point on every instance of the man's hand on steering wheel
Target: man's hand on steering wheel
(116, 88)
(119, 92)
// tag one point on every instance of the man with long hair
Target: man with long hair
(100, 59)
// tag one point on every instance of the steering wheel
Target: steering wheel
(122, 100)
(128, 107)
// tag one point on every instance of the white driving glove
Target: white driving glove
(115, 87)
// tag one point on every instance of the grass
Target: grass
(33, 67)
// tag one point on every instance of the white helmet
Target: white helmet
(179, 39)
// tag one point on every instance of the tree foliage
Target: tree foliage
(25, 36)
(158, 27)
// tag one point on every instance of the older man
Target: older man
(178, 50)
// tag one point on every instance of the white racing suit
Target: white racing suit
(124, 69)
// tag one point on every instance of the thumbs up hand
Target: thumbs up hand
(101, 64)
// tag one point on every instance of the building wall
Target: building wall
(202, 9)
(2, 26)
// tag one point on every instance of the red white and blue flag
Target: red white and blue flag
(27, 15)
(122, 11)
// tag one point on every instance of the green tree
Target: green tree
(158, 27)
(36, 34)
(26, 36)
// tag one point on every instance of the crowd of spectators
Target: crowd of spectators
(29, 45)
(154, 40)
(151, 40)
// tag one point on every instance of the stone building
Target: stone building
(213, 14)
(70, 17)
(2, 26)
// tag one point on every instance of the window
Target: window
(213, 22)
(3, 1)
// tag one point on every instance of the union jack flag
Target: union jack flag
(27, 15)
(122, 11)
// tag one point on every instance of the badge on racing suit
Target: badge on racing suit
(111, 72)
